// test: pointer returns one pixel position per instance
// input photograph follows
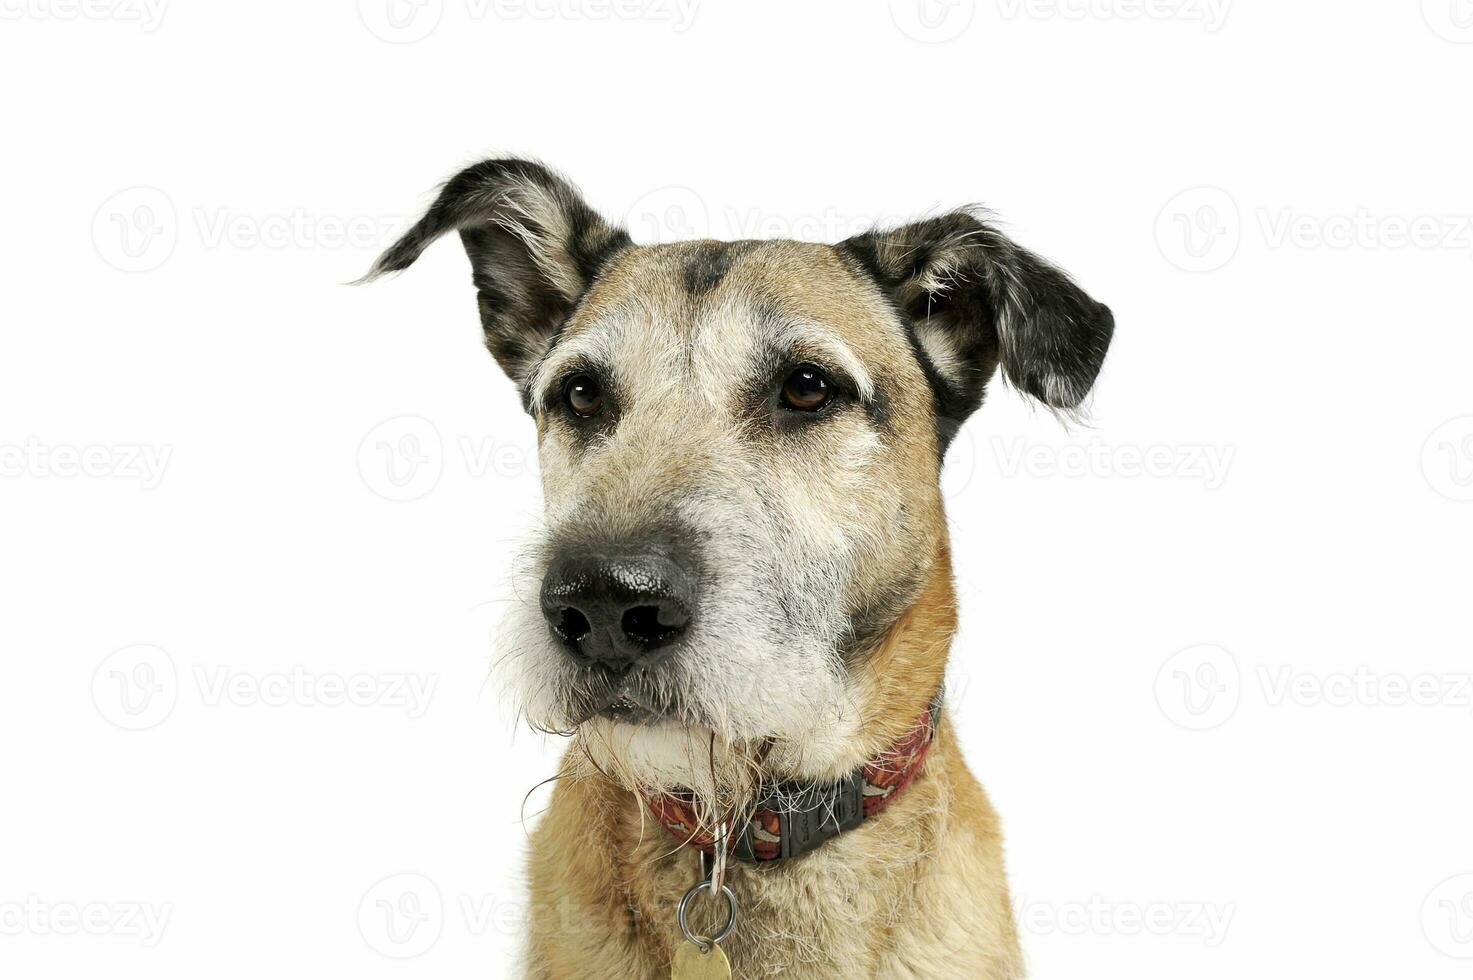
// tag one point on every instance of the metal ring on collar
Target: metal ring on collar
(705, 942)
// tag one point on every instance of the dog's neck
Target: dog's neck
(907, 666)
(795, 818)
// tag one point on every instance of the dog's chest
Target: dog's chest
(816, 917)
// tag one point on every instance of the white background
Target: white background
(208, 445)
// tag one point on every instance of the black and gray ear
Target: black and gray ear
(975, 300)
(535, 246)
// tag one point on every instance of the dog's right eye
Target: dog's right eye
(584, 395)
(807, 389)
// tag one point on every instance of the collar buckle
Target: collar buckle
(809, 815)
(795, 818)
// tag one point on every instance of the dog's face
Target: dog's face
(739, 445)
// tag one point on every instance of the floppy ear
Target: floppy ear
(974, 300)
(535, 246)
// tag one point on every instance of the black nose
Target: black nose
(618, 610)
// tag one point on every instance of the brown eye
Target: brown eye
(584, 396)
(807, 390)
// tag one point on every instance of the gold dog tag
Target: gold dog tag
(692, 964)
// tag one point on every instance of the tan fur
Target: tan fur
(918, 892)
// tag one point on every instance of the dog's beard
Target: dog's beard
(718, 727)
(756, 693)
(723, 777)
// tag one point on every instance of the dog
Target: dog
(740, 604)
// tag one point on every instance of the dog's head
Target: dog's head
(740, 446)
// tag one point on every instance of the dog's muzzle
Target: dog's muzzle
(618, 610)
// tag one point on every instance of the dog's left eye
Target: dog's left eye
(584, 396)
(807, 389)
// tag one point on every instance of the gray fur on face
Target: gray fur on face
(692, 455)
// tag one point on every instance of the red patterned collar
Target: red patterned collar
(795, 818)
